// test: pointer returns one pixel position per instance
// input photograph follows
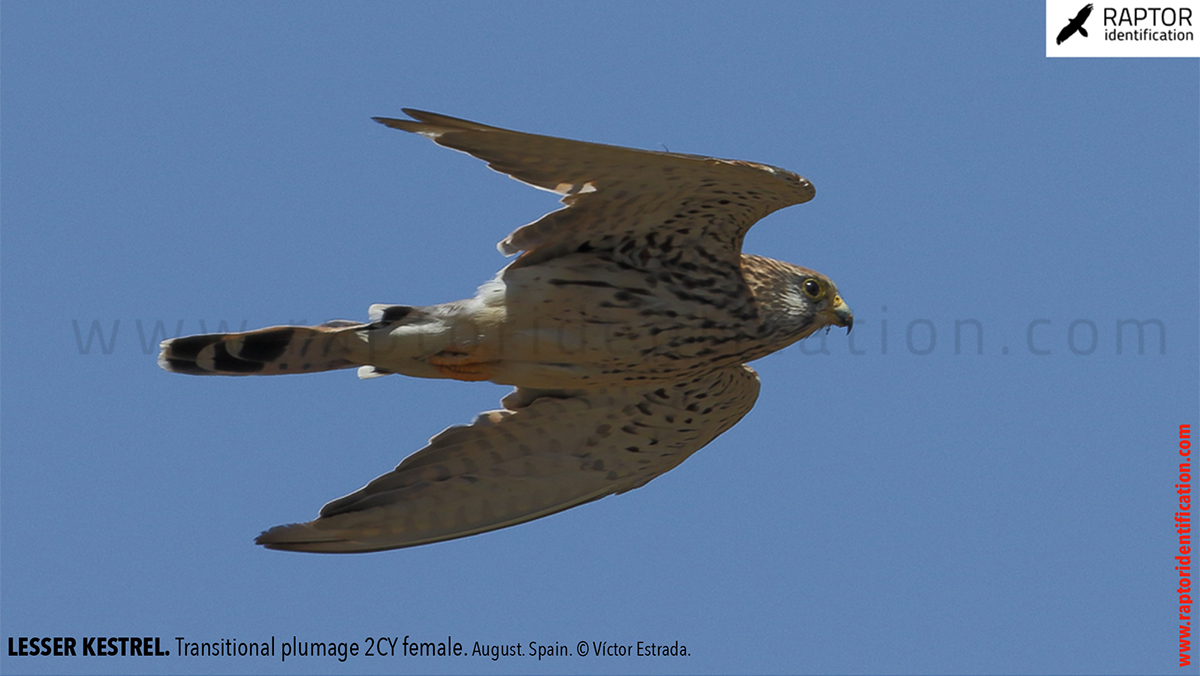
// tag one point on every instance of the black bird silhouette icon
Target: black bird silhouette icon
(1076, 24)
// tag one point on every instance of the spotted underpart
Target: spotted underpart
(625, 324)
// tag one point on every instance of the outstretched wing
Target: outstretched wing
(545, 452)
(621, 197)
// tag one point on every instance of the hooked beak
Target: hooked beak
(839, 314)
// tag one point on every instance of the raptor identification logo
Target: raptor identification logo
(1075, 28)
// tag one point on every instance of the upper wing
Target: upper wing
(616, 195)
(545, 452)
(1083, 14)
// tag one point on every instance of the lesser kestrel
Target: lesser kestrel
(625, 324)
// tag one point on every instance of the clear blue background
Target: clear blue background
(949, 512)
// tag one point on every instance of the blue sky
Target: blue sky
(914, 509)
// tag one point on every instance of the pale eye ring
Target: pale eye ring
(813, 289)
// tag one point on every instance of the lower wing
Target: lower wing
(545, 452)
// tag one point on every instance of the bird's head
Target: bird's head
(814, 301)
(795, 300)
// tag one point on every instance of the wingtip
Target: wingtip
(393, 122)
(298, 537)
(421, 126)
(304, 537)
(424, 120)
(417, 115)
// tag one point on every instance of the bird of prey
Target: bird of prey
(1076, 24)
(624, 324)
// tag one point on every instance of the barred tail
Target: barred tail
(266, 352)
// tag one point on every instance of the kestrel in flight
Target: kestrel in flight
(625, 324)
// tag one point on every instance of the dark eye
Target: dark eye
(812, 289)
